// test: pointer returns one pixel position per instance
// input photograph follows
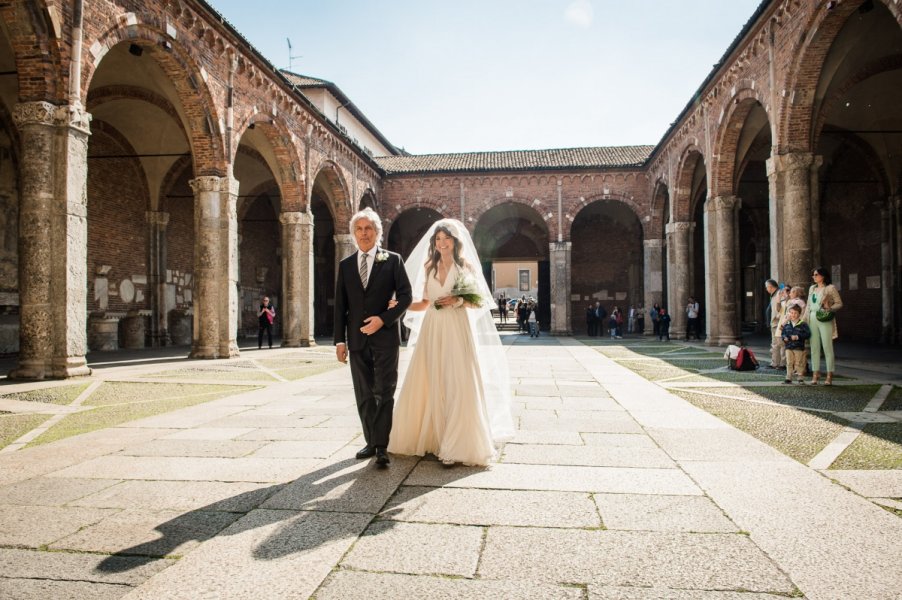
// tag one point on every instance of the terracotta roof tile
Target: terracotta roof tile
(518, 160)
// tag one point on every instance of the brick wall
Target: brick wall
(117, 230)
(179, 203)
(260, 237)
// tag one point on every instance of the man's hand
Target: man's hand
(371, 325)
(341, 353)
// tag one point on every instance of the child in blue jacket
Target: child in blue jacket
(795, 332)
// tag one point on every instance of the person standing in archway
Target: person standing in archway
(265, 317)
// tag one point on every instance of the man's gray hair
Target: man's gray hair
(373, 217)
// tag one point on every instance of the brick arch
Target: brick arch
(288, 170)
(181, 64)
(36, 52)
(796, 126)
(654, 227)
(171, 177)
(481, 209)
(681, 195)
(724, 170)
(368, 198)
(267, 188)
(392, 213)
(622, 200)
(871, 158)
(872, 69)
(340, 205)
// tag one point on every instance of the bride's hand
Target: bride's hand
(392, 303)
(446, 301)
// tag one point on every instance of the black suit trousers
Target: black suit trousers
(374, 371)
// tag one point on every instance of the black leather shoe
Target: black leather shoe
(366, 452)
(382, 457)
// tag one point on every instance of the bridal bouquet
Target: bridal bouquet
(465, 287)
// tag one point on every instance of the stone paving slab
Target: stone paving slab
(662, 513)
(266, 554)
(599, 456)
(36, 526)
(616, 480)
(51, 491)
(312, 434)
(148, 533)
(618, 440)
(601, 592)
(720, 444)
(191, 469)
(44, 589)
(214, 448)
(66, 566)
(680, 560)
(888, 502)
(209, 433)
(417, 548)
(265, 421)
(185, 418)
(298, 449)
(348, 485)
(871, 484)
(181, 495)
(832, 543)
(601, 422)
(357, 585)
(492, 507)
(589, 404)
(571, 438)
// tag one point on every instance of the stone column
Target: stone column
(654, 277)
(157, 222)
(792, 247)
(345, 246)
(52, 240)
(712, 325)
(887, 286)
(215, 266)
(297, 279)
(725, 213)
(560, 253)
(678, 235)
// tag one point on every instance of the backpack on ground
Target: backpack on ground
(745, 360)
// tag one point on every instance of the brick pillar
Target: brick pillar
(794, 220)
(559, 253)
(157, 223)
(653, 256)
(678, 235)
(724, 210)
(297, 279)
(52, 240)
(215, 267)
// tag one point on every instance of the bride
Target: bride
(455, 398)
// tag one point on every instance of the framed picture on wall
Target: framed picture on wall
(524, 280)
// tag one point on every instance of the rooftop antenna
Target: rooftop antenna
(290, 57)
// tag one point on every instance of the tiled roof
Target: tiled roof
(304, 81)
(519, 160)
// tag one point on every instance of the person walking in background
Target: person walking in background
(692, 309)
(631, 322)
(590, 320)
(663, 325)
(820, 313)
(640, 319)
(655, 314)
(772, 318)
(532, 321)
(265, 317)
(502, 309)
(794, 332)
(600, 313)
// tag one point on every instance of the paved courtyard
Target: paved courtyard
(621, 483)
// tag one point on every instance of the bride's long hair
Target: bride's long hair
(435, 256)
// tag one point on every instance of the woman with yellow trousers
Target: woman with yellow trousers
(823, 302)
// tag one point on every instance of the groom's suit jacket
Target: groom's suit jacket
(353, 303)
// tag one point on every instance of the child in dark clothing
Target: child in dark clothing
(795, 332)
(664, 325)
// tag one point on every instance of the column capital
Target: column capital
(560, 246)
(791, 161)
(678, 226)
(213, 183)
(157, 217)
(74, 116)
(34, 113)
(725, 203)
(296, 218)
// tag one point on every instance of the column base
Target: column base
(299, 344)
(36, 370)
(30, 369)
(561, 332)
(204, 352)
(724, 340)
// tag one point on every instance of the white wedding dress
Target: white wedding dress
(441, 408)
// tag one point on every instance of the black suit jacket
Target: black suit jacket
(353, 304)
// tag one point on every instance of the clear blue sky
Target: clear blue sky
(471, 75)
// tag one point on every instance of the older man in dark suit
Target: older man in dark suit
(368, 331)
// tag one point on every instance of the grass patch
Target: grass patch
(894, 400)
(737, 377)
(15, 425)
(878, 447)
(796, 433)
(301, 371)
(236, 373)
(119, 402)
(62, 395)
(654, 370)
(851, 398)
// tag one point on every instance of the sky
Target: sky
(438, 76)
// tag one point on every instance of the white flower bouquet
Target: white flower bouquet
(465, 288)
